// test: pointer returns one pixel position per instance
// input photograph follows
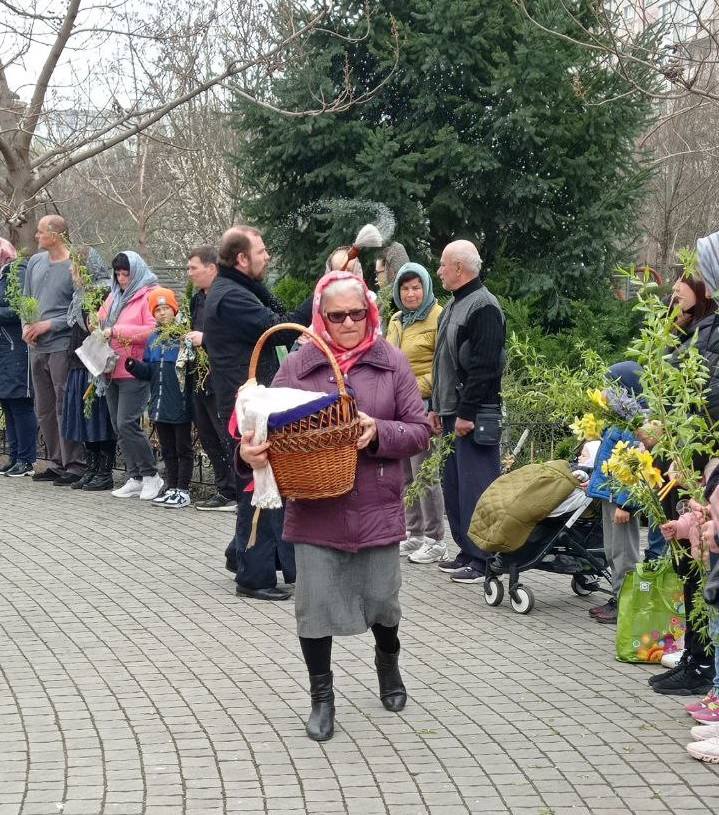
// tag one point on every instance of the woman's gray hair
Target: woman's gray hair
(344, 287)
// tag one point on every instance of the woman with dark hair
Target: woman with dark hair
(346, 548)
(699, 322)
(127, 322)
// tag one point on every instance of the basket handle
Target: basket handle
(318, 341)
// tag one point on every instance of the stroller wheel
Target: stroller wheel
(493, 591)
(581, 586)
(522, 600)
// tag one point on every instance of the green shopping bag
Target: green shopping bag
(651, 619)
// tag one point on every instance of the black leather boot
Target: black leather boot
(93, 462)
(392, 691)
(321, 724)
(103, 477)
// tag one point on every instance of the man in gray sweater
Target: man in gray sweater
(48, 279)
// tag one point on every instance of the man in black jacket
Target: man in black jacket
(202, 271)
(466, 398)
(238, 309)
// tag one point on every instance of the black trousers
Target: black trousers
(176, 446)
(212, 435)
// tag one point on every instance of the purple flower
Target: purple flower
(626, 407)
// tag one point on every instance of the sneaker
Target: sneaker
(455, 565)
(410, 545)
(131, 489)
(151, 487)
(217, 503)
(705, 750)
(666, 674)
(687, 681)
(162, 498)
(672, 660)
(709, 715)
(705, 731)
(19, 469)
(48, 475)
(6, 467)
(467, 575)
(431, 552)
(702, 704)
(177, 500)
(595, 610)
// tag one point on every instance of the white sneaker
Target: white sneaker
(160, 500)
(130, 489)
(177, 499)
(672, 660)
(705, 731)
(431, 552)
(705, 750)
(410, 544)
(151, 487)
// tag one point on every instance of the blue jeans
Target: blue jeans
(656, 545)
(470, 469)
(21, 429)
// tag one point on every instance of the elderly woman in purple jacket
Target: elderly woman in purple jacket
(347, 548)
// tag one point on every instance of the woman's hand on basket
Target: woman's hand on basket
(254, 454)
(369, 430)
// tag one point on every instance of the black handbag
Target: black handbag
(488, 426)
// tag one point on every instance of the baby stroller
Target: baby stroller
(567, 540)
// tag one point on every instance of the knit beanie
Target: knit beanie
(162, 297)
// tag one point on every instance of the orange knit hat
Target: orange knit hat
(162, 297)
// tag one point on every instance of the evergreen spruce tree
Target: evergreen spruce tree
(488, 129)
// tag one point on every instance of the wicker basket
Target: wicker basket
(316, 456)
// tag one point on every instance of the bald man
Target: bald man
(466, 397)
(48, 278)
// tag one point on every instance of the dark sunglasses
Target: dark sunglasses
(356, 315)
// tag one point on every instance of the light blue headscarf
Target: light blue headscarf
(414, 270)
(140, 276)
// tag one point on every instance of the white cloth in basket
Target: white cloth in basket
(253, 406)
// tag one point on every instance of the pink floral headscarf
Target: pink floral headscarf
(346, 358)
(7, 252)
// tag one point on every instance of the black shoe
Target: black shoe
(217, 503)
(93, 462)
(20, 469)
(263, 594)
(321, 723)
(452, 565)
(392, 691)
(65, 479)
(48, 475)
(6, 467)
(102, 480)
(680, 666)
(599, 610)
(691, 681)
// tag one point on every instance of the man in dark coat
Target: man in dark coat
(16, 395)
(238, 310)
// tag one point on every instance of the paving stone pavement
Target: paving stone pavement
(132, 680)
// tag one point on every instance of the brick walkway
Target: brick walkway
(132, 680)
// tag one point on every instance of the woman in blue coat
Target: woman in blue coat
(16, 395)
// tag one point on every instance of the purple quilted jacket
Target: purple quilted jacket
(372, 514)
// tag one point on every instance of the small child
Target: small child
(169, 407)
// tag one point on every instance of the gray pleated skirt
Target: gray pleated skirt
(343, 593)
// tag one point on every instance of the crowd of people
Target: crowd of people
(430, 369)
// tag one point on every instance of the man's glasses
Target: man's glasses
(356, 315)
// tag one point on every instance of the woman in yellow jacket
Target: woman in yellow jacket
(413, 329)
